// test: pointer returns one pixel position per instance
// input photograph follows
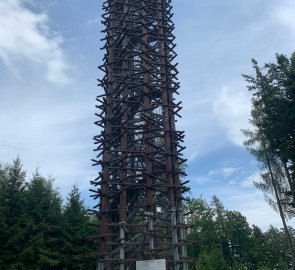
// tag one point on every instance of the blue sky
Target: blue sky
(49, 53)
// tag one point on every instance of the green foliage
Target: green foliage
(77, 229)
(211, 260)
(203, 229)
(12, 210)
(273, 117)
(36, 231)
(44, 225)
(224, 240)
(272, 141)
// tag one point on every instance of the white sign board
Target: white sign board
(151, 265)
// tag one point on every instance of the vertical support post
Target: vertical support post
(151, 237)
(122, 245)
(182, 237)
(100, 265)
(174, 239)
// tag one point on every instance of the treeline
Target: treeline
(38, 231)
(223, 240)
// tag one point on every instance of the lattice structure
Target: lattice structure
(139, 189)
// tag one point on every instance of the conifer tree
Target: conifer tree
(12, 178)
(44, 237)
(77, 248)
(273, 115)
(272, 140)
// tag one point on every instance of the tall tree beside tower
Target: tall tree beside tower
(272, 141)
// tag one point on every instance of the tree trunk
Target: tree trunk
(290, 182)
(287, 233)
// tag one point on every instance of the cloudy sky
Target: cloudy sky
(49, 53)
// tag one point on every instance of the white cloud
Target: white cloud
(249, 181)
(226, 172)
(250, 202)
(25, 38)
(232, 108)
(258, 212)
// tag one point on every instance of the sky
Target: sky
(49, 53)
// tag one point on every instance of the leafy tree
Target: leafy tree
(234, 235)
(203, 231)
(211, 260)
(277, 251)
(258, 251)
(224, 240)
(238, 238)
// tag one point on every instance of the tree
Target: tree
(219, 236)
(202, 231)
(13, 186)
(277, 251)
(77, 229)
(36, 232)
(3, 226)
(238, 238)
(258, 252)
(272, 141)
(223, 239)
(220, 212)
(211, 260)
(273, 113)
(44, 235)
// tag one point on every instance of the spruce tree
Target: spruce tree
(12, 209)
(44, 238)
(77, 230)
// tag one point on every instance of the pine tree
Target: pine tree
(77, 230)
(13, 188)
(3, 227)
(44, 238)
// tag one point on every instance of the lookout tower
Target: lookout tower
(139, 188)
